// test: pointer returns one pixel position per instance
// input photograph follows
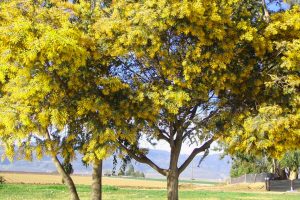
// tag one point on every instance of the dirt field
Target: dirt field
(40, 178)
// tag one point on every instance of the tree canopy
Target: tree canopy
(274, 128)
(93, 76)
(55, 83)
(204, 70)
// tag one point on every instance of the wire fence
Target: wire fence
(284, 185)
(271, 184)
(250, 178)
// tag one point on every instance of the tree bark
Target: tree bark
(97, 180)
(60, 169)
(67, 178)
(173, 172)
(172, 184)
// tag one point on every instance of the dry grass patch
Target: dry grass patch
(40, 178)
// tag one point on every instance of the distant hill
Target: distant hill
(212, 168)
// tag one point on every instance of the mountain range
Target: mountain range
(212, 168)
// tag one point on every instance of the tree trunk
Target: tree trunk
(282, 174)
(172, 184)
(293, 174)
(173, 172)
(97, 180)
(67, 178)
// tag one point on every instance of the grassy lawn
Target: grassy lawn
(60, 192)
(164, 180)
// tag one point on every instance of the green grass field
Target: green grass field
(164, 180)
(60, 192)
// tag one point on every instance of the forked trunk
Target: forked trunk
(97, 180)
(280, 172)
(172, 184)
(67, 178)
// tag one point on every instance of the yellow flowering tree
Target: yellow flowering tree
(35, 44)
(196, 68)
(274, 128)
(95, 76)
(55, 83)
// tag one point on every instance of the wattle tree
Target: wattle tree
(197, 69)
(54, 84)
(273, 127)
(94, 76)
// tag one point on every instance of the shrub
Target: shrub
(2, 180)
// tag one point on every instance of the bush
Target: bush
(107, 173)
(121, 173)
(2, 180)
(130, 171)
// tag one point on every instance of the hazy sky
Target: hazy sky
(163, 145)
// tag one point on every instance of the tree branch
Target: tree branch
(196, 151)
(161, 135)
(144, 159)
(266, 16)
(203, 121)
(203, 157)
(192, 113)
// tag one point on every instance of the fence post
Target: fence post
(245, 178)
(292, 188)
(267, 182)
